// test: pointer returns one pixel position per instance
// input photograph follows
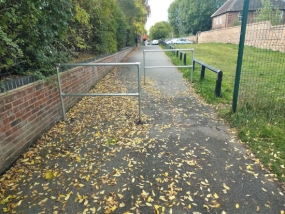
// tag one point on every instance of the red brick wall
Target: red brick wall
(230, 19)
(27, 112)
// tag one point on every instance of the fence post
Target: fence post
(202, 76)
(176, 53)
(240, 54)
(219, 84)
(184, 60)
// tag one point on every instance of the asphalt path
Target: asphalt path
(181, 159)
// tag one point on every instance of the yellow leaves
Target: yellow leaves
(157, 207)
(162, 198)
(5, 210)
(43, 201)
(237, 206)
(206, 206)
(87, 177)
(225, 188)
(267, 205)
(144, 194)
(282, 212)
(78, 159)
(120, 196)
(68, 196)
(216, 195)
(7, 199)
(49, 175)
(159, 180)
(150, 199)
(110, 210)
(205, 184)
(122, 205)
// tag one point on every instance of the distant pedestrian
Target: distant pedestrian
(144, 39)
(136, 41)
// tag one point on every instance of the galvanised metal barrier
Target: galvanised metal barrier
(106, 94)
(217, 71)
(169, 50)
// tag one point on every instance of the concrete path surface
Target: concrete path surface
(181, 159)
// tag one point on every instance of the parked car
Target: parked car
(148, 42)
(180, 41)
(154, 42)
(168, 41)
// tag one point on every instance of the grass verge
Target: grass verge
(262, 130)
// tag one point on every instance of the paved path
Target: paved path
(182, 159)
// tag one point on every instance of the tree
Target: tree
(33, 33)
(136, 13)
(37, 34)
(160, 30)
(268, 12)
(190, 16)
(173, 17)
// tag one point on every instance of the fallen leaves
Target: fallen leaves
(101, 161)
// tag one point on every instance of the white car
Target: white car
(154, 42)
(180, 41)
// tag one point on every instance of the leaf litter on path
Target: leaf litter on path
(101, 161)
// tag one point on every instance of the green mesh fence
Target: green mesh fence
(262, 85)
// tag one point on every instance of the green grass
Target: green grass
(260, 122)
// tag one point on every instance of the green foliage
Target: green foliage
(191, 16)
(136, 13)
(35, 35)
(160, 30)
(268, 12)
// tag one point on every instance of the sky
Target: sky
(158, 12)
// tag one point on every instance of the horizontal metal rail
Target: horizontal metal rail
(98, 64)
(216, 70)
(102, 95)
(94, 94)
(182, 66)
(169, 50)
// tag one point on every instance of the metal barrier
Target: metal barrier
(99, 64)
(217, 71)
(169, 50)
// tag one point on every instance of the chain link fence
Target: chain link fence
(262, 83)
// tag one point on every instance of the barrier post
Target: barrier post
(219, 84)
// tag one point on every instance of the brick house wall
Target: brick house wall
(219, 21)
(230, 19)
(27, 112)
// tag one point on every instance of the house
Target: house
(230, 13)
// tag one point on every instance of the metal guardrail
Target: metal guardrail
(217, 71)
(169, 50)
(93, 94)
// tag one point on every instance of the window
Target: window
(240, 16)
(220, 19)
